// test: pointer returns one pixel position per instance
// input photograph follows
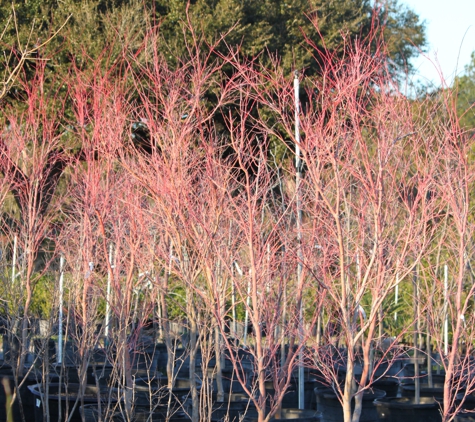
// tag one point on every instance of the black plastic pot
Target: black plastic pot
(27, 403)
(11, 349)
(100, 373)
(66, 398)
(318, 393)
(388, 384)
(144, 415)
(230, 381)
(295, 415)
(162, 356)
(155, 392)
(91, 414)
(145, 358)
(465, 417)
(397, 409)
(332, 411)
(291, 396)
(181, 384)
(70, 353)
(409, 390)
(232, 409)
(466, 400)
(393, 368)
(409, 372)
(45, 350)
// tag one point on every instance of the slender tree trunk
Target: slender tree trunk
(195, 415)
(348, 389)
(126, 364)
(219, 367)
(165, 323)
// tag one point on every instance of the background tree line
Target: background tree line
(272, 29)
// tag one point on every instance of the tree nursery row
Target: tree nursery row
(216, 240)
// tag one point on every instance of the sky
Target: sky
(450, 29)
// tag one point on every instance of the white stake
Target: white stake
(108, 294)
(15, 245)
(396, 296)
(246, 317)
(299, 235)
(59, 358)
(446, 317)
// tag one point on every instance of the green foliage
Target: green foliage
(176, 302)
(277, 27)
(404, 34)
(397, 317)
(465, 87)
(273, 26)
(12, 295)
(42, 304)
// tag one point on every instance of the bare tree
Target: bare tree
(448, 276)
(366, 201)
(19, 56)
(31, 160)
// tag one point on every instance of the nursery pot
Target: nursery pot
(145, 358)
(11, 349)
(157, 389)
(291, 397)
(466, 400)
(332, 411)
(233, 408)
(7, 378)
(100, 373)
(388, 384)
(394, 368)
(465, 417)
(45, 350)
(64, 397)
(295, 415)
(409, 390)
(397, 409)
(140, 414)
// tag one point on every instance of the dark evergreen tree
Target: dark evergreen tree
(465, 86)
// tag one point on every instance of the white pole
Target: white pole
(446, 317)
(246, 317)
(396, 297)
(233, 302)
(108, 294)
(59, 358)
(248, 303)
(15, 246)
(299, 234)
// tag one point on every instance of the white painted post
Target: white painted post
(233, 304)
(396, 296)
(298, 176)
(15, 246)
(108, 295)
(59, 358)
(446, 316)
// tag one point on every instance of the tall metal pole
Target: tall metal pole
(60, 322)
(298, 176)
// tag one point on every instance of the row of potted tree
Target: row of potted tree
(221, 194)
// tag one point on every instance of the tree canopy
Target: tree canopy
(271, 28)
(465, 86)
